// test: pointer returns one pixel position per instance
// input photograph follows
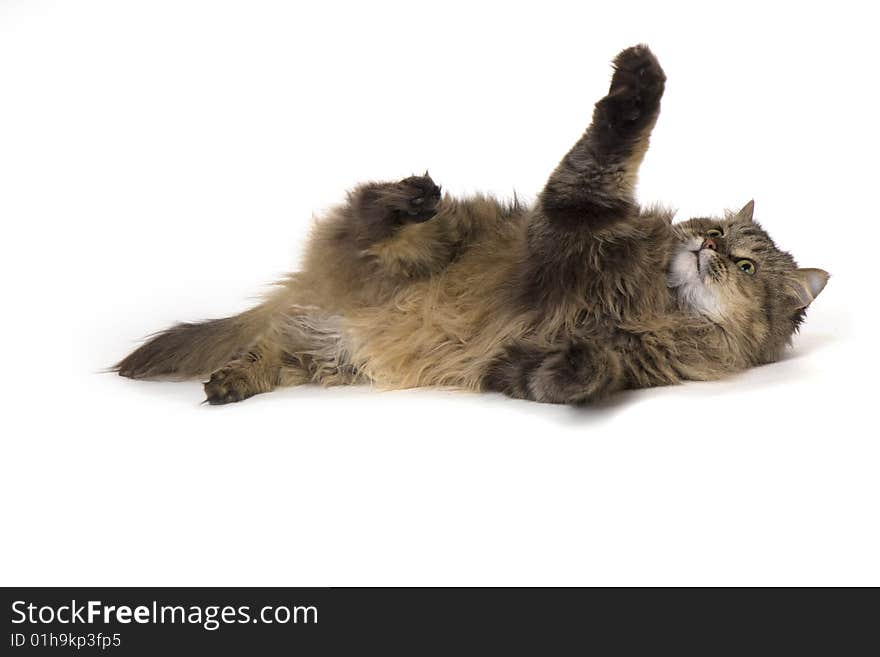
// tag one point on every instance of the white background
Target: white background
(162, 161)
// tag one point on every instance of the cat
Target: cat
(581, 295)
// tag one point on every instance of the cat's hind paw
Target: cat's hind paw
(408, 201)
(416, 198)
(227, 385)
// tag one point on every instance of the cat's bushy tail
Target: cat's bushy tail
(190, 351)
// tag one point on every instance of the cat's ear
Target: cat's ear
(808, 284)
(745, 214)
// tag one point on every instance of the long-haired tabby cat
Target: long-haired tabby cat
(582, 295)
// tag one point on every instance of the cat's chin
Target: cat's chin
(687, 277)
(684, 268)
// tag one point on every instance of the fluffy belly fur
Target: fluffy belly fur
(436, 324)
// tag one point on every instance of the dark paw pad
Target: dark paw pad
(385, 206)
(226, 386)
(419, 196)
(636, 88)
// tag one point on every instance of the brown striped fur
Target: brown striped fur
(569, 300)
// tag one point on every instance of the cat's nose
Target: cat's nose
(709, 243)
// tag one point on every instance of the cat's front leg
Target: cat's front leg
(575, 373)
(594, 185)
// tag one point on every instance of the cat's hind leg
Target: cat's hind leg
(255, 371)
(381, 209)
(386, 233)
(316, 349)
(304, 345)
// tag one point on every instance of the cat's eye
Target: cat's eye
(714, 232)
(746, 265)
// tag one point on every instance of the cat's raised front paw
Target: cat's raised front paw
(636, 88)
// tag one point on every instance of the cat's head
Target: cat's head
(730, 271)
